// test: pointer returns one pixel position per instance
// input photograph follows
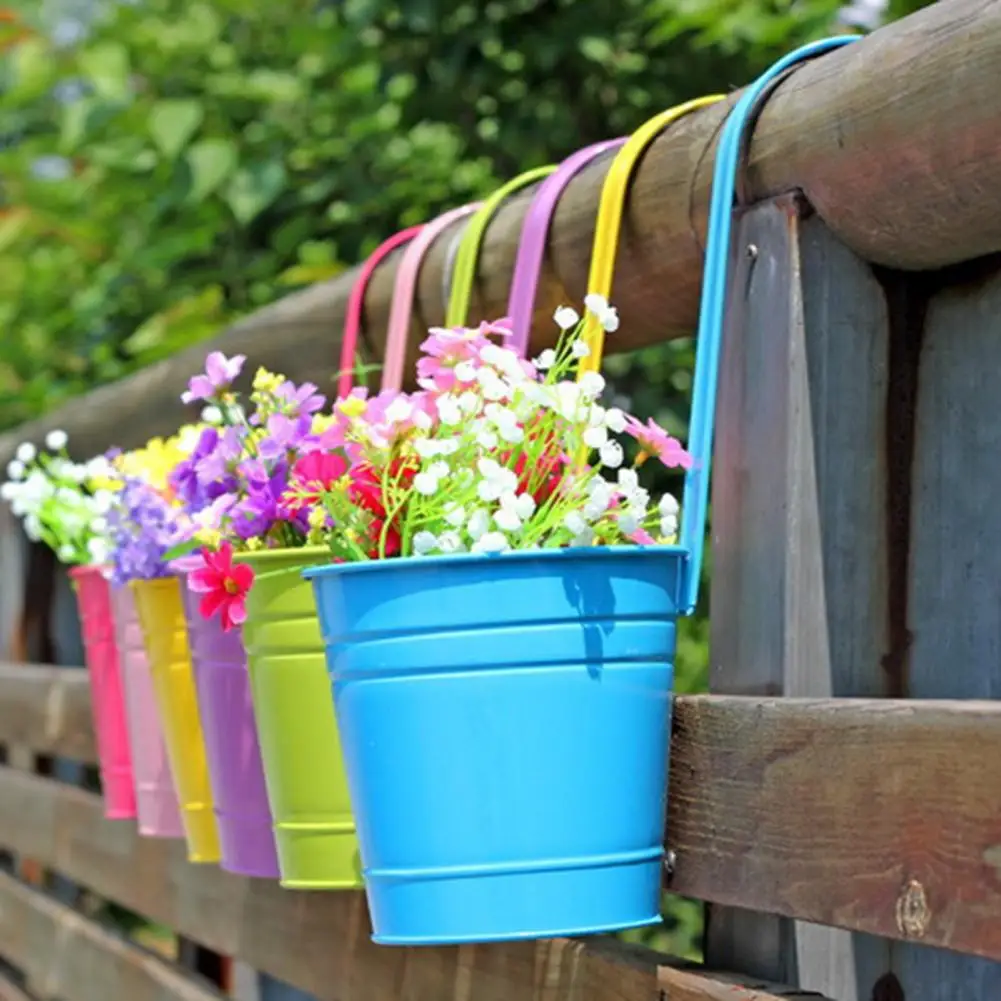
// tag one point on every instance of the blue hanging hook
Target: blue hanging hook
(711, 316)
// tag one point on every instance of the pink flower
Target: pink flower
(654, 440)
(445, 348)
(224, 587)
(312, 475)
(220, 373)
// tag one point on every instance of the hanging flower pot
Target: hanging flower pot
(93, 595)
(161, 614)
(232, 750)
(300, 747)
(156, 799)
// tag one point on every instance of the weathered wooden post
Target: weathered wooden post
(858, 559)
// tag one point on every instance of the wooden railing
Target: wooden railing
(766, 801)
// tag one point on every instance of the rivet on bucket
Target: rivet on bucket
(162, 617)
(156, 800)
(300, 747)
(93, 594)
(243, 815)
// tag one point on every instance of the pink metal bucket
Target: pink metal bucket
(93, 597)
(156, 801)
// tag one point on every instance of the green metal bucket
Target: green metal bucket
(294, 709)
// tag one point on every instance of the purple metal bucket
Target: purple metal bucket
(246, 830)
(156, 799)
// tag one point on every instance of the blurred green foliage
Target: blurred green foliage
(167, 166)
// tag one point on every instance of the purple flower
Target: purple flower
(220, 373)
(143, 526)
(303, 399)
(216, 464)
(257, 513)
(285, 434)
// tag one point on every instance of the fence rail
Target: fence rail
(764, 806)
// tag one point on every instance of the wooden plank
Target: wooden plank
(893, 139)
(71, 958)
(319, 942)
(955, 565)
(844, 812)
(800, 551)
(47, 709)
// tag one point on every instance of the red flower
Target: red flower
(223, 586)
(312, 475)
(366, 492)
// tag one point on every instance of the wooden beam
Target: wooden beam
(319, 942)
(752, 782)
(893, 140)
(880, 816)
(69, 957)
(47, 710)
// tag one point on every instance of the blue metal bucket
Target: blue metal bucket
(505, 725)
(505, 719)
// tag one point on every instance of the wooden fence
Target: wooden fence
(835, 799)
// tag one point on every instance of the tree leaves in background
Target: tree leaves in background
(173, 123)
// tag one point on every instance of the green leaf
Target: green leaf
(254, 188)
(106, 66)
(33, 69)
(173, 123)
(181, 549)
(211, 161)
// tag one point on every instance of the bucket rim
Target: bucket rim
(570, 553)
(83, 571)
(268, 556)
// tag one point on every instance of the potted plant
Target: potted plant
(64, 504)
(258, 653)
(499, 621)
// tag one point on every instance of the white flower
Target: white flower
(579, 349)
(455, 514)
(487, 439)
(33, 527)
(592, 385)
(595, 437)
(574, 522)
(615, 420)
(566, 399)
(469, 402)
(26, 452)
(479, 522)
(611, 454)
(66, 553)
(399, 410)
(15, 469)
(608, 316)
(465, 371)
(629, 480)
(449, 542)
(668, 526)
(8, 491)
(668, 506)
(99, 468)
(496, 480)
(506, 422)
(596, 415)
(98, 550)
(425, 482)
(211, 415)
(422, 420)
(448, 409)
(424, 542)
(566, 317)
(599, 497)
(56, 440)
(492, 385)
(514, 511)
(491, 542)
(426, 447)
(99, 524)
(104, 500)
(628, 522)
(546, 360)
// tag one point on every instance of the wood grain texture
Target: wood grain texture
(319, 942)
(892, 139)
(954, 614)
(47, 709)
(798, 600)
(70, 958)
(882, 816)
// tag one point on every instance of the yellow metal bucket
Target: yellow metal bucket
(161, 615)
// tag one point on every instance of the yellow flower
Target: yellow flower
(209, 537)
(254, 543)
(267, 382)
(317, 518)
(321, 422)
(155, 462)
(352, 406)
